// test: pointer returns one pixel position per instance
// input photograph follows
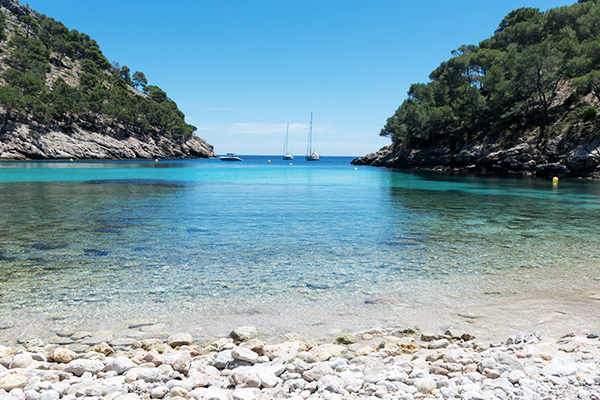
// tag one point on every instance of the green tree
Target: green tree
(125, 73)
(2, 27)
(28, 55)
(155, 93)
(11, 100)
(29, 82)
(139, 79)
(62, 47)
(538, 72)
(589, 83)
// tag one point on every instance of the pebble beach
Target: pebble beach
(387, 364)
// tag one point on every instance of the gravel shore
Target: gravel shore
(375, 364)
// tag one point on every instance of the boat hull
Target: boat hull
(288, 157)
(230, 157)
(313, 157)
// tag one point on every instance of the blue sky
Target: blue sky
(240, 70)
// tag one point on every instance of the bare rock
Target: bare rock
(78, 367)
(180, 339)
(244, 354)
(199, 379)
(103, 348)
(24, 360)
(63, 355)
(523, 338)
(244, 377)
(244, 333)
(318, 371)
(13, 380)
(119, 364)
(439, 344)
(286, 350)
(179, 360)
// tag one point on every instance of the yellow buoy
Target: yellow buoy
(290, 164)
(269, 161)
(70, 159)
(555, 180)
(156, 160)
(355, 168)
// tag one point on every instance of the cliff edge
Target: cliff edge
(23, 143)
(575, 153)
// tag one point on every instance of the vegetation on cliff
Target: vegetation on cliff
(539, 73)
(51, 75)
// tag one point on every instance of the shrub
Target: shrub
(588, 113)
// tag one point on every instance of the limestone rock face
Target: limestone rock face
(22, 143)
(16, 7)
(574, 153)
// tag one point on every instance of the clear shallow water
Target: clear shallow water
(205, 246)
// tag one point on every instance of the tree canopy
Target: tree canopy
(509, 82)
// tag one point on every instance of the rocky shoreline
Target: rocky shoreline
(573, 154)
(23, 143)
(373, 364)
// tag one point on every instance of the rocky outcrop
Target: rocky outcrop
(22, 143)
(86, 135)
(576, 153)
(17, 8)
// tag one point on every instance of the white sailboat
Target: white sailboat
(311, 154)
(286, 154)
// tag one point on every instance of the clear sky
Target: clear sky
(241, 69)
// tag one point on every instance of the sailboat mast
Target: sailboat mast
(309, 150)
(285, 145)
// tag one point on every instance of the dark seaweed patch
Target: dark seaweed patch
(52, 268)
(401, 242)
(197, 230)
(50, 245)
(95, 252)
(38, 260)
(6, 258)
(140, 182)
(107, 230)
(313, 286)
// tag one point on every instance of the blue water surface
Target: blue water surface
(205, 241)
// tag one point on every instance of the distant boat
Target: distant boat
(286, 154)
(230, 157)
(311, 154)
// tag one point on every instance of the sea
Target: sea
(311, 248)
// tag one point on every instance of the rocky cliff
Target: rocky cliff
(16, 8)
(61, 98)
(21, 143)
(573, 153)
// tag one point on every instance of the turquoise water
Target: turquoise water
(205, 246)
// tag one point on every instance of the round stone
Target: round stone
(180, 339)
(244, 333)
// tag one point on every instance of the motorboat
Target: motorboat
(230, 157)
